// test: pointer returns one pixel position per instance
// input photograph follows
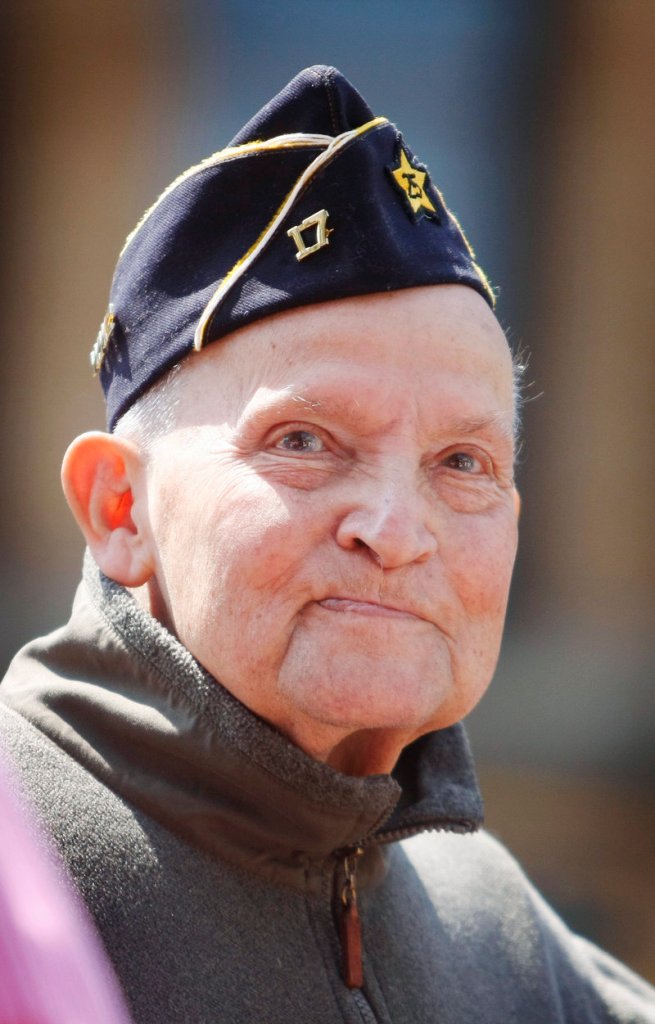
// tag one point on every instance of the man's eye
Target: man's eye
(300, 441)
(464, 462)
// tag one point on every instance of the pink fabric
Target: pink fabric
(53, 969)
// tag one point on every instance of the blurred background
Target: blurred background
(538, 122)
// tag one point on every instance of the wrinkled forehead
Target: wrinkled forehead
(355, 349)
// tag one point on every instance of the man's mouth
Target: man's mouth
(374, 609)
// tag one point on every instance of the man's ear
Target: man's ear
(100, 475)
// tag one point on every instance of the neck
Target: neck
(368, 752)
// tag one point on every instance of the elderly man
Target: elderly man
(301, 531)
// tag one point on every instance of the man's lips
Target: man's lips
(372, 608)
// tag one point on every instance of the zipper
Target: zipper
(350, 926)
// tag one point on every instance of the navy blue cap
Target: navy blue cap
(314, 199)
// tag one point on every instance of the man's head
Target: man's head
(329, 522)
(321, 506)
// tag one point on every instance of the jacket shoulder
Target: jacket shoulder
(481, 892)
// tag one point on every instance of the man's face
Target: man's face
(333, 518)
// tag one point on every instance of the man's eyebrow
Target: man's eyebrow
(303, 400)
(498, 421)
(288, 401)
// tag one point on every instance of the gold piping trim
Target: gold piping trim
(294, 140)
(335, 145)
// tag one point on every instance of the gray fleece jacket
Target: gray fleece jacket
(226, 870)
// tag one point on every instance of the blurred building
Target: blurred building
(537, 122)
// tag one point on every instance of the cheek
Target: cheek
(261, 541)
(480, 568)
(232, 545)
(481, 563)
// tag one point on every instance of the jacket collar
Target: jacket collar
(123, 697)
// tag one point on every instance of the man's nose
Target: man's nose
(392, 519)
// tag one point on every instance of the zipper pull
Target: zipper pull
(350, 928)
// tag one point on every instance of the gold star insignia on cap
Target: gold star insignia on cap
(411, 181)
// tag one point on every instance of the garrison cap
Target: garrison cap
(314, 199)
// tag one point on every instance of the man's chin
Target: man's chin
(355, 691)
